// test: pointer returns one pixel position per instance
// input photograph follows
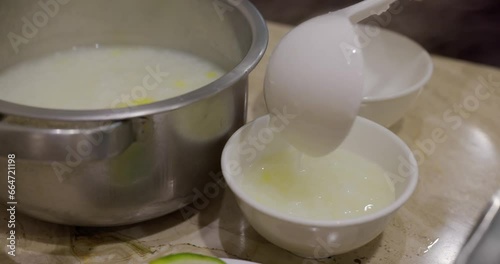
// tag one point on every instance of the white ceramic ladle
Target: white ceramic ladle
(315, 79)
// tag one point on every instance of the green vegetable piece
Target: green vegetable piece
(188, 258)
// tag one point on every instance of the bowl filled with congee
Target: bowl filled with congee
(116, 110)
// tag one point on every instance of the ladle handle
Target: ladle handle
(366, 8)
(48, 144)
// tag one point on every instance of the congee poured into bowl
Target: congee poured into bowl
(105, 77)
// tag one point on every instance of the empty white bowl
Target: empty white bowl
(396, 70)
(319, 238)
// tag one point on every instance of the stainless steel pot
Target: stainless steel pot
(121, 166)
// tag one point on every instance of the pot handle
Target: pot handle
(48, 144)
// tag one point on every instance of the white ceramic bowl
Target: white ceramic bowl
(313, 238)
(396, 70)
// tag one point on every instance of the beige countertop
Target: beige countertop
(457, 177)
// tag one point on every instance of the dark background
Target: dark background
(463, 29)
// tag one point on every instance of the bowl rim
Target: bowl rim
(260, 38)
(416, 86)
(384, 212)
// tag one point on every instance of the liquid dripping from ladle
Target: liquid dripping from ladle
(298, 161)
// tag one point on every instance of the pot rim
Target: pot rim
(248, 63)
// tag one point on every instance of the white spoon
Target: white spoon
(316, 80)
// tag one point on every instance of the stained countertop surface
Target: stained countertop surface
(458, 175)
